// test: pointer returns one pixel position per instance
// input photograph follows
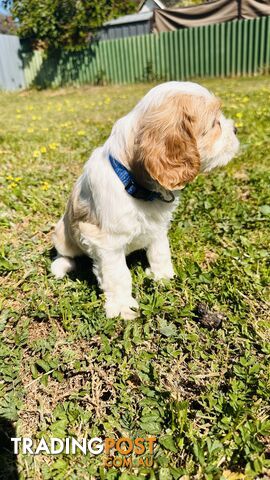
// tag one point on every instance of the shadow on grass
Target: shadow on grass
(137, 258)
(8, 460)
(84, 266)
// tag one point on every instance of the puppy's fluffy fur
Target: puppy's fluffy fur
(175, 132)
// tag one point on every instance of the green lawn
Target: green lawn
(68, 371)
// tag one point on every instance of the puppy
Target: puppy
(129, 188)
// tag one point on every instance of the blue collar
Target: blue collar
(132, 187)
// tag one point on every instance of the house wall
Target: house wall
(148, 6)
(111, 32)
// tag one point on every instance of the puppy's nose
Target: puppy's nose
(235, 130)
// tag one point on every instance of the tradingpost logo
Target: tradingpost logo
(123, 452)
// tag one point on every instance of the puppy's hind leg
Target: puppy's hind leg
(62, 265)
(66, 251)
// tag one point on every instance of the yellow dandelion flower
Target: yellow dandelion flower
(12, 185)
(30, 130)
(43, 150)
(81, 133)
(239, 114)
(44, 186)
(18, 179)
(34, 117)
(18, 116)
(36, 154)
(9, 177)
(245, 99)
(53, 146)
(239, 124)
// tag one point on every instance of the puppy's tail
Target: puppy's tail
(62, 265)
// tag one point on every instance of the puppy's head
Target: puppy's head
(181, 136)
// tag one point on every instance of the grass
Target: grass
(68, 371)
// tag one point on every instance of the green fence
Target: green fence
(240, 47)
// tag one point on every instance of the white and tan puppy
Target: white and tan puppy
(125, 197)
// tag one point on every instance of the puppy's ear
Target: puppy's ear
(165, 145)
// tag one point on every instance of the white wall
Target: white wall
(148, 6)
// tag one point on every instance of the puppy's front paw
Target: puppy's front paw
(128, 309)
(127, 314)
(162, 274)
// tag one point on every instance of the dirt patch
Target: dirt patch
(241, 175)
(243, 194)
(209, 258)
(38, 331)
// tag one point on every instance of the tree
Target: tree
(7, 26)
(64, 23)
